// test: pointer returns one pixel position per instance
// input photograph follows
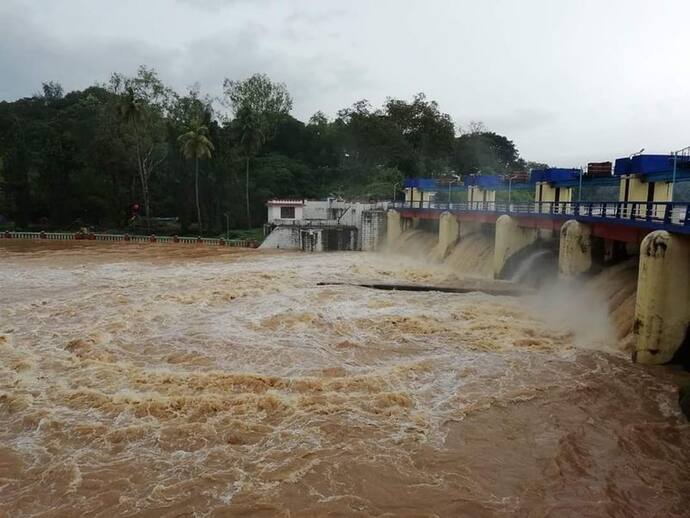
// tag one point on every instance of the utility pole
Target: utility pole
(673, 181)
(456, 178)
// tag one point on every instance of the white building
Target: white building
(285, 209)
(319, 225)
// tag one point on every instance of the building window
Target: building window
(287, 212)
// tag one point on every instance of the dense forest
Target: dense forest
(135, 153)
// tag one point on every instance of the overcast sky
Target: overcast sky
(569, 81)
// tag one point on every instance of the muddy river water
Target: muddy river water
(164, 380)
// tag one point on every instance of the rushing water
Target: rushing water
(176, 381)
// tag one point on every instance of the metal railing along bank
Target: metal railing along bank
(671, 216)
(65, 236)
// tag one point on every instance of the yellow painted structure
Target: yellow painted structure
(545, 192)
(510, 239)
(662, 308)
(393, 226)
(575, 249)
(412, 194)
(448, 235)
(476, 196)
(639, 191)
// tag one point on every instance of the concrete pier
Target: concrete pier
(510, 239)
(575, 249)
(448, 234)
(662, 309)
(393, 226)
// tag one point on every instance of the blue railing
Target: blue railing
(672, 216)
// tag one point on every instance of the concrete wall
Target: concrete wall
(286, 238)
(575, 249)
(662, 309)
(510, 239)
(373, 229)
(311, 240)
(328, 239)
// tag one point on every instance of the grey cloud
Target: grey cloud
(215, 5)
(30, 57)
(522, 120)
(235, 54)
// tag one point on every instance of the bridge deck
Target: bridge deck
(637, 217)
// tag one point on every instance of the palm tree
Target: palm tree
(195, 145)
(252, 138)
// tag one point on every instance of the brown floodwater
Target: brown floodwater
(175, 380)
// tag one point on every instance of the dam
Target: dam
(588, 236)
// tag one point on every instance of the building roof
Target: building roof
(286, 202)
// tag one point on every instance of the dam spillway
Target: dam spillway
(589, 236)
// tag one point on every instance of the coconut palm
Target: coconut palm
(196, 145)
(130, 107)
(252, 137)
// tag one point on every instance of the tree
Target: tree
(475, 127)
(259, 105)
(52, 91)
(269, 101)
(143, 103)
(2, 189)
(428, 133)
(84, 157)
(485, 152)
(195, 145)
(414, 137)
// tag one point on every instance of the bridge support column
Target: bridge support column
(510, 239)
(575, 250)
(393, 226)
(448, 233)
(662, 308)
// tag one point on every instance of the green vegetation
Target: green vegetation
(93, 157)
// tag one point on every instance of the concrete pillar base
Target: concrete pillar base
(662, 308)
(448, 232)
(510, 239)
(393, 226)
(575, 250)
